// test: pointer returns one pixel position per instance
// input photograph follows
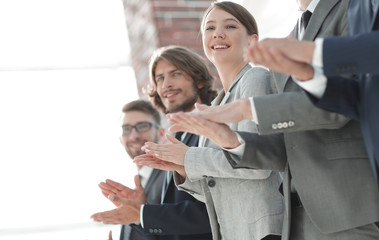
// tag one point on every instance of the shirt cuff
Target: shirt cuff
(237, 150)
(317, 54)
(253, 111)
(141, 215)
(317, 85)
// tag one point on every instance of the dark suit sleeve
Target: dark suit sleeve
(357, 54)
(184, 218)
(342, 96)
(142, 234)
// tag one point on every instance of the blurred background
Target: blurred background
(66, 69)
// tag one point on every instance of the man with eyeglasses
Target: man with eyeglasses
(140, 123)
(179, 78)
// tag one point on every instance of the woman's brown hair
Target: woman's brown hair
(236, 10)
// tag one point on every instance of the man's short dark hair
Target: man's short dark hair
(142, 106)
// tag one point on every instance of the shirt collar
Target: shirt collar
(145, 173)
(312, 6)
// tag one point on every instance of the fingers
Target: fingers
(137, 181)
(177, 128)
(117, 199)
(185, 123)
(105, 193)
(201, 107)
(173, 140)
(116, 185)
(101, 216)
(154, 162)
(104, 189)
(110, 235)
(127, 213)
(107, 188)
(161, 151)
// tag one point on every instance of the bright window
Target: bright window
(63, 80)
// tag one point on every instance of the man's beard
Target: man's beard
(139, 152)
(133, 153)
(188, 104)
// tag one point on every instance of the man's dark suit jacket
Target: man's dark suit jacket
(181, 216)
(153, 191)
(357, 97)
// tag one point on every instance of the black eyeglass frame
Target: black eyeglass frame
(150, 124)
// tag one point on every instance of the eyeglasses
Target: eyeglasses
(140, 127)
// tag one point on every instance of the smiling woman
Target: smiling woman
(63, 82)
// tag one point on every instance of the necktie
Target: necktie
(305, 17)
(304, 20)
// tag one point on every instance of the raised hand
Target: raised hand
(128, 212)
(219, 133)
(111, 187)
(174, 152)
(152, 161)
(286, 55)
(228, 113)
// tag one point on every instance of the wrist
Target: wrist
(306, 74)
(309, 51)
(233, 143)
(246, 114)
(182, 173)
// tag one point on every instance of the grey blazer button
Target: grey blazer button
(280, 125)
(291, 123)
(211, 183)
(285, 125)
(151, 231)
(274, 126)
(160, 231)
(155, 231)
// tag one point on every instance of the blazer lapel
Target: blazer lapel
(189, 140)
(375, 18)
(275, 75)
(151, 184)
(166, 185)
(222, 98)
(318, 17)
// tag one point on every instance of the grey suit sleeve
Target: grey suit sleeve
(201, 162)
(213, 161)
(292, 112)
(192, 187)
(266, 152)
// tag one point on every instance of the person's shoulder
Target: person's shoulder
(257, 73)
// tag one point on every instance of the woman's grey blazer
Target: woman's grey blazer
(243, 204)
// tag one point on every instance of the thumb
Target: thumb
(201, 107)
(115, 199)
(172, 139)
(137, 181)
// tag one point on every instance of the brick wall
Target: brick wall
(156, 23)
